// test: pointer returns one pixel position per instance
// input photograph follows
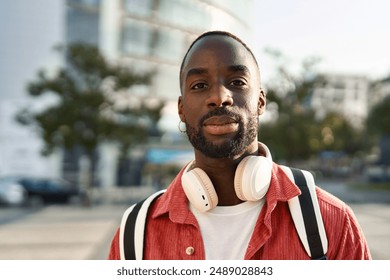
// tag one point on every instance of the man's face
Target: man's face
(221, 97)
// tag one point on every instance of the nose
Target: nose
(220, 96)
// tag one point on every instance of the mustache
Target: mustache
(220, 111)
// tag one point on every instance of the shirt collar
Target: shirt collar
(174, 202)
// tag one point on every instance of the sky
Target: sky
(350, 37)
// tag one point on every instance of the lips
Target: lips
(219, 120)
(219, 125)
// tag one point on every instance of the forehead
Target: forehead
(218, 50)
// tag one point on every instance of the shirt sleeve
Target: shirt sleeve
(114, 253)
(353, 244)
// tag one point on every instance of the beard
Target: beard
(230, 147)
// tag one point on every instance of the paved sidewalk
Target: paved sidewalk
(68, 232)
(61, 233)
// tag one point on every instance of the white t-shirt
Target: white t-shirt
(226, 230)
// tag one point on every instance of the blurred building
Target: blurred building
(149, 35)
(379, 91)
(28, 33)
(345, 94)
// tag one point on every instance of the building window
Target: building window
(356, 95)
(168, 44)
(339, 84)
(86, 2)
(186, 14)
(139, 7)
(137, 38)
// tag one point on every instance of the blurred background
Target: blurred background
(88, 108)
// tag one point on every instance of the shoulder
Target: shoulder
(114, 252)
(336, 213)
(329, 202)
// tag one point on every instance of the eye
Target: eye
(238, 83)
(199, 86)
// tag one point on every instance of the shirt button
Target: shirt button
(190, 250)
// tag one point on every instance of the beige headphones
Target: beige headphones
(251, 182)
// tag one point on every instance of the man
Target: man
(208, 211)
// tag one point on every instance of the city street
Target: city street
(73, 232)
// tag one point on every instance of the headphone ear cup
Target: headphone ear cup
(238, 177)
(199, 189)
(252, 178)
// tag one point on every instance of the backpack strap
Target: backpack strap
(132, 229)
(305, 212)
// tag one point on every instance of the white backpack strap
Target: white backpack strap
(132, 228)
(306, 214)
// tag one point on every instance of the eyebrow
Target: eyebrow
(231, 68)
(196, 71)
(238, 68)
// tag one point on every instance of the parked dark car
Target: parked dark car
(47, 190)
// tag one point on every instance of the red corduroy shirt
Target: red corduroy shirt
(172, 232)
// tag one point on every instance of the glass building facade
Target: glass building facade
(153, 35)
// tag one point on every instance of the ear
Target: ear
(261, 103)
(180, 110)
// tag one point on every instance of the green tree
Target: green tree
(378, 128)
(94, 105)
(290, 135)
(338, 135)
(378, 121)
(295, 134)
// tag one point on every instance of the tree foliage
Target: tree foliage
(94, 105)
(88, 111)
(337, 134)
(295, 134)
(378, 121)
(289, 136)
